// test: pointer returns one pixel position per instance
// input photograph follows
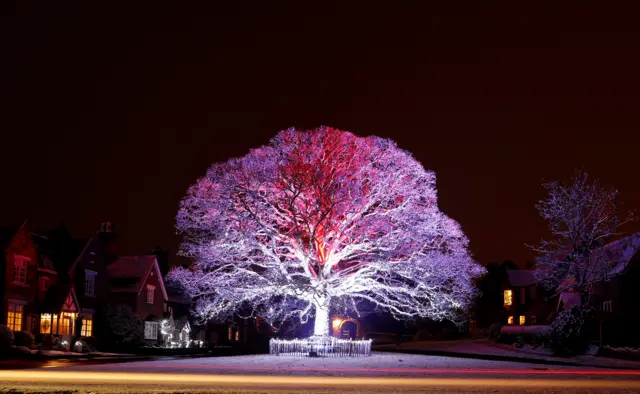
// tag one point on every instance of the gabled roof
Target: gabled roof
(569, 299)
(81, 253)
(130, 273)
(521, 278)
(619, 253)
(56, 298)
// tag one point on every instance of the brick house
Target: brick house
(510, 295)
(34, 297)
(20, 277)
(89, 276)
(524, 300)
(614, 296)
(136, 281)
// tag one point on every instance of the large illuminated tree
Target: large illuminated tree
(320, 221)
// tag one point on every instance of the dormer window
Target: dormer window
(150, 291)
(20, 270)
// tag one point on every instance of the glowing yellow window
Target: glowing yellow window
(45, 323)
(522, 320)
(67, 320)
(510, 320)
(14, 316)
(508, 297)
(87, 325)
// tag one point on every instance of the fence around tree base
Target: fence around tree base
(320, 347)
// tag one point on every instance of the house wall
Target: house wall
(156, 309)
(21, 245)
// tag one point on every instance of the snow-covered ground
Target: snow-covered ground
(386, 364)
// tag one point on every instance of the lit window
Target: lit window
(67, 321)
(230, 333)
(44, 283)
(87, 325)
(510, 320)
(20, 270)
(89, 282)
(45, 323)
(237, 335)
(522, 320)
(150, 291)
(14, 316)
(508, 297)
(151, 330)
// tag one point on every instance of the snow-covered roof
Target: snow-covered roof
(521, 278)
(569, 299)
(619, 253)
(129, 273)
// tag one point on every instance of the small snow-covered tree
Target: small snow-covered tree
(322, 220)
(583, 216)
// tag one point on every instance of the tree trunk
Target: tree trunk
(321, 324)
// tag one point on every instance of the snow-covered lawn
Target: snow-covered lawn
(378, 364)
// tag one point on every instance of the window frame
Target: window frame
(507, 297)
(20, 265)
(150, 296)
(15, 315)
(90, 277)
(151, 327)
(87, 324)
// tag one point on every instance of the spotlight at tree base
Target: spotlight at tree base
(320, 346)
(319, 223)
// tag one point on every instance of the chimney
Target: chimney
(163, 260)
(107, 238)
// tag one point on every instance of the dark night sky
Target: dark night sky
(110, 113)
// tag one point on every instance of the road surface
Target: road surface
(383, 372)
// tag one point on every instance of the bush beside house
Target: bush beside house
(125, 329)
(572, 330)
(6, 339)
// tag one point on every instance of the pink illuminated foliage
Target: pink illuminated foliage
(318, 222)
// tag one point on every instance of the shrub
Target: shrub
(24, 338)
(124, 328)
(494, 331)
(571, 331)
(6, 339)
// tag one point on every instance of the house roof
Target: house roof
(129, 273)
(56, 298)
(569, 299)
(521, 278)
(619, 253)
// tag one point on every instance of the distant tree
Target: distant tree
(583, 216)
(323, 220)
(125, 328)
